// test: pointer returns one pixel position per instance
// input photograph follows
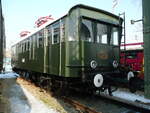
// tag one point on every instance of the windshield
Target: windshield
(114, 36)
(93, 31)
(87, 30)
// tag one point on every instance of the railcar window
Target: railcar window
(40, 42)
(102, 33)
(28, 45)
(22, 45)
(114, 36)
(40, 39)
(73, 28)
(17, 48)
(62, 31)
(49, 34)
(56, 35)
(55, 39)
(46, 36)
(25, 48)
(34, 40)
(86, 30)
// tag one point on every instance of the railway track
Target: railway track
(98, 104)
(137, 105)
(78, 106)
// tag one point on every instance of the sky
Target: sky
(20, 15)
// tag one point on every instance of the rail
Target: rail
(79, 106)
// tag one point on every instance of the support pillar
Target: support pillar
(146, 38)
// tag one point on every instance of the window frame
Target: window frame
(40, 38)
(56, 26)
(91, 33)
(96, 21)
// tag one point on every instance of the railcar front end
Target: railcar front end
(93, 47)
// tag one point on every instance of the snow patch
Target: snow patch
(130, 96)
(9, 75)
(19, 105)
(37, 106)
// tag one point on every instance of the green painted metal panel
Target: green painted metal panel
(146, 34)
(72, 59)
(54, 59)
(63, 65)
(100, 53)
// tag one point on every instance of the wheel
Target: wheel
(98, 80)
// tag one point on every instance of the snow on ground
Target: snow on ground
(124, 96)
(131, 96)
(19, 99)
(37, 106)
(9, 75)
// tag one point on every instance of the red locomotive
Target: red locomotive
(134, 59)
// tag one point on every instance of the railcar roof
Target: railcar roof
(94, 9)
(38, 29)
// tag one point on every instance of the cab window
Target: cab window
(87, 30)
(114, 36)
(102, 33)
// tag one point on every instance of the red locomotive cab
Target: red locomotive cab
(134, 60)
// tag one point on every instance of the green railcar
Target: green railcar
(82, 45)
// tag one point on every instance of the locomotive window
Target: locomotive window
(114, 36)
(131, 55)
(102, 33)
(86, 30)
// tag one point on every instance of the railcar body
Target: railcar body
(83, 46)
(2, 38)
